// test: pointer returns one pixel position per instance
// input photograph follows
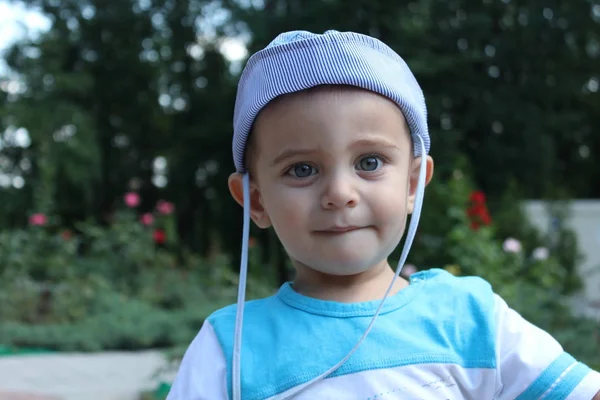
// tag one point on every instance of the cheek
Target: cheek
(388, 201)
(287, 207)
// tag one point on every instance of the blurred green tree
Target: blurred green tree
(137, 95)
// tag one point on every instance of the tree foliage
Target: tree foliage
(511, 85)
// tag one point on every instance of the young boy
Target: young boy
(331, 150)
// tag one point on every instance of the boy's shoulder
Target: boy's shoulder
(451, 284)
(468, 301)
(251, 307)
(432, 288)
(443, 276)
(441, 286)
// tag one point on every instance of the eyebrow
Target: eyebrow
(375, 143)
(289, 153)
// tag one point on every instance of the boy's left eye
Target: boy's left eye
(369, 163)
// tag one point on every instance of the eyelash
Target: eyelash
(379, 157)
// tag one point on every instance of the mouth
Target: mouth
(338, 230)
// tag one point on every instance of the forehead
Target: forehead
(328, 116)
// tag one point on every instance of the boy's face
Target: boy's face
(333, 173)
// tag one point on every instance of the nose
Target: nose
(339, 191)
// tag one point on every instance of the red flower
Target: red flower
(159, 236)
(478, 197)
(485, 218)
(475, 210)
(478, 213)
(66, 235)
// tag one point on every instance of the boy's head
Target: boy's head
(332, 152)
(333, 172)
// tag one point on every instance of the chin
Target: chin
(345, 260)
(343, 267)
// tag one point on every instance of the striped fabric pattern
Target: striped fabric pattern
(300, 60)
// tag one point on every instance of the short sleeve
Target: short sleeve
(531, 364)
(202, 374)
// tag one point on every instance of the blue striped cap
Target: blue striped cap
(300, 60)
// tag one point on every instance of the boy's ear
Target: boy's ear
(415, 168)
(257, 211)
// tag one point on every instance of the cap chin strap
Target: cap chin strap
(236, 382)
(412, 229)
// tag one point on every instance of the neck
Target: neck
(365, 286)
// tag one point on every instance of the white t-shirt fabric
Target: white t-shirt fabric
(442, 337)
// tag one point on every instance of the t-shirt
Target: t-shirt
(442, 337)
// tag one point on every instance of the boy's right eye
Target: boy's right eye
(302, 170)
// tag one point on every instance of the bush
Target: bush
(124, 287)
(114, 287)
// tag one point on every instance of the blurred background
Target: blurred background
(117, 232)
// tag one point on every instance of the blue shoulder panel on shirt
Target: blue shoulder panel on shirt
(289, 339)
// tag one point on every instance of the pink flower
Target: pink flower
(132, 199)
(408, 270)
(147, 219)
(38, 219)
(511, 245)
(165, 207)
